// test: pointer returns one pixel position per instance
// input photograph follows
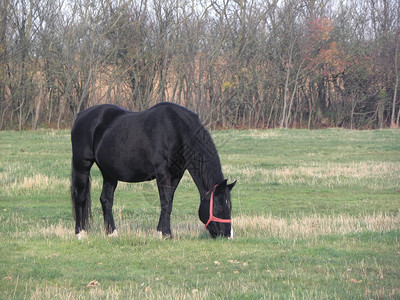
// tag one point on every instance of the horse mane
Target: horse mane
(203, 155)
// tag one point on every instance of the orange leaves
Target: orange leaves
(321, 29)
(324, 54)
(318, 34)
(333, 58)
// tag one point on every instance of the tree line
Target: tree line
(237, 63)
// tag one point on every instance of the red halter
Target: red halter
(212, 218)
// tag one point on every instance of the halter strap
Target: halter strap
(212, 218)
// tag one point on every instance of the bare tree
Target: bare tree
(238, 63)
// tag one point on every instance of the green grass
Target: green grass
(316, 216)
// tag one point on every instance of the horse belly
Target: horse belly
(124, 161)
(127, 170)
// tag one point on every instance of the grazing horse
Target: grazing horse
(159, 143)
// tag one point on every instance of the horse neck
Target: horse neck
(206, 173)
(203, 161)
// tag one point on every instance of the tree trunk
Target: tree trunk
(37, 111)
(396, 86)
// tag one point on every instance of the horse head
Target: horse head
(215, 210)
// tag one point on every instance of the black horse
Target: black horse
(159, 143)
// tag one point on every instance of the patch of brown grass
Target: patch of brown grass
(35, 184)
(321, 174)
(313, 226)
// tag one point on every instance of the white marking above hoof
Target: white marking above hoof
(113, 234)
(231, 237)
(82, 235)
(164, 237)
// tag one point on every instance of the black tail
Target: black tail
(80, 196)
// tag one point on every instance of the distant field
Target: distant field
(316, 215)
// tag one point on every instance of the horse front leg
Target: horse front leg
(166, 199)
(107, 199)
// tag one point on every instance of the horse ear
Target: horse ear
(221, 186)
(230, 186)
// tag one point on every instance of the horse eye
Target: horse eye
(219, 208)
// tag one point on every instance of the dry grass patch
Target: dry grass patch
(131, 290)
(325, 174)
(353, 170)
(22, 228)
(34, 184)
(263, 134)
(244, 226)
(314, 226)
(60, 230)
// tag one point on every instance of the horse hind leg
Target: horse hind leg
(107, 199)
(81, 201)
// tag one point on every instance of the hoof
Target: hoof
(231, 237)
(113, 234)
(82, 235)
(165, 236)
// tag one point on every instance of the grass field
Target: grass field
(316, 215)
